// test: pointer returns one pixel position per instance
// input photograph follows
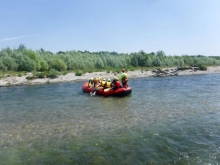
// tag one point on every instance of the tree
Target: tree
(26, 64)
(44, 65)
(33, 56)
(59, 65)
(21, 47)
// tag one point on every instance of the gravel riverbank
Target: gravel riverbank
(16, 80)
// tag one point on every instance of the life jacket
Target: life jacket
(117, 84)
(107, 84)
(103, 83)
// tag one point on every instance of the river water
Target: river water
(165, 120)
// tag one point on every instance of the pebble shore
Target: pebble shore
(16, 80)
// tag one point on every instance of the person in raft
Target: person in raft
(124, 78)
(108, 84)
(95, 85)
(102, 84)
(115, 83)
(91, 83)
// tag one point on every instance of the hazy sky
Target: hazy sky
(175, 26)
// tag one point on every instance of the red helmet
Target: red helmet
(123, 70)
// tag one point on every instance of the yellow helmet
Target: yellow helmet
(91, 78)
(116, 78)
(109, 80)
(103, 80)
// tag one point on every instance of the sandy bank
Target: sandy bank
(15, 80)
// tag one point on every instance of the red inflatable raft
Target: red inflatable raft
(108, 92)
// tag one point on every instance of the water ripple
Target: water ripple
(165, 120)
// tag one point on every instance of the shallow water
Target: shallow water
(165, 120)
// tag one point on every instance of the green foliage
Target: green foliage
(41, 74)
(53, 73)
(59, 65)
(99, 63)
(7, 63)
(78, 73)
(156, 61)
(19, 74)
(202, 67)
(23, 59)
(30, 77)
(44, 65)
(65, 73)
(34, 57)
(26, 64)
(22, 47)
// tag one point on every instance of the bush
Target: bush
(65, 73)
(53, 73)
(44, 65)
(41, 75)
(78, 73)
(34, 57)
(26, 64)
(59, 65)
(30, 77)
(202, 67)
(8, 63)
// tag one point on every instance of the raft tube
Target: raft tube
(118, 92)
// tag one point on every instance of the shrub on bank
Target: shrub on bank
(78, 73)
(59, 65)
(53, 73)
(41, 75)
(202, 67)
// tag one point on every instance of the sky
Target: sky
(177, 27)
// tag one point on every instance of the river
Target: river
(165, 120)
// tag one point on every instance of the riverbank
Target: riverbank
(16, 80)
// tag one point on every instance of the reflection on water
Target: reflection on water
(164, 120)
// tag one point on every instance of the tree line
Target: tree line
(24, 59)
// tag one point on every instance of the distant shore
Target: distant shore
(16, 80)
